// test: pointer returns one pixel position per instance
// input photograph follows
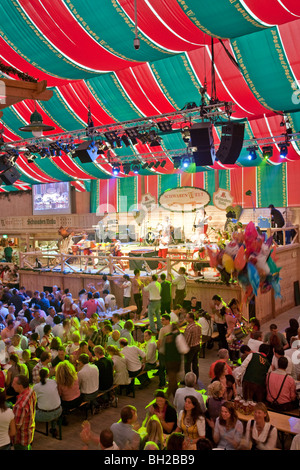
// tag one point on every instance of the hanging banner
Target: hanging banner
(222, 199)
(184, 199)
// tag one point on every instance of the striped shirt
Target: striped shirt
(24, 411)
(192, 334)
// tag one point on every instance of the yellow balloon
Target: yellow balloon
(228, 263)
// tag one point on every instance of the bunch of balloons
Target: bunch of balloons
(249, 259)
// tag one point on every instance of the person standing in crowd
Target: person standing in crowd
(166, 328)
(150, 350)
(154, 289)
(219, 315)
(7, 422)
(24, 412)
(192, 336)
(180, 282)
(137, 290)
(126, 285)
(254, 370)
(166, 294)
(172, 359)
(277, 221)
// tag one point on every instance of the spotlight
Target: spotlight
(185, 162)
(267, 151)
(144, 166)
(118, 142)
(135, 168)
(156, 164)
(177, 162)
(163, 163)
(133, 134)
(165, 126)
(144, 138)
(150, 165)
(125, 140)
(126, 168)
(116, 169)
(186, 136)
(111, 137)
(283, 150)
(252, 152)
(154, 139)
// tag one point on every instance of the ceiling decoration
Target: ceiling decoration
(87, 56)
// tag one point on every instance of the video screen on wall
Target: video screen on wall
(51, 198)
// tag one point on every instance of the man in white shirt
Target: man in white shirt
(180, 283)
(154, 289)
(255, 341)
(110, 301)
(135, 362)
(88, 379)
(150, 350)
(50, 317)
(126, 286)
(3, 310)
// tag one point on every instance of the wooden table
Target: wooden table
(285, 425)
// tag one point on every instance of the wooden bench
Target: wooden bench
(87, 405)
(46, 433)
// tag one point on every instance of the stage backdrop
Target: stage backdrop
(278, 185)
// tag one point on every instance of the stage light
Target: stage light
(186, 135)
(135, 168)
(156, 164)
(186, 161)
(267, 151)
(116, 169)
(144, 137)
(133, 134)
(150, 165)
(125, 140)
(252, 152)
(144, 166)
(283, 150)
(165, 126)
(177, 162)
(163, 163)
(154, 139)
(126, 168)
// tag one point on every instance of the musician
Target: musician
(115, 250)
(85, 245)
(66, 243)
(163, 241)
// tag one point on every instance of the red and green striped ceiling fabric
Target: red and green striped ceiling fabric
(85, 52)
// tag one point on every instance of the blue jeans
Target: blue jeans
(154, 310)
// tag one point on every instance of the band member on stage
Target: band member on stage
(85, 245)
(163, 241)
(115, 250)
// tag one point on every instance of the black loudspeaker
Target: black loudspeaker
(86, 152)
(201, 138)
(231, 143)
(9, 176)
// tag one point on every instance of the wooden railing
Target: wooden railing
(114, 264)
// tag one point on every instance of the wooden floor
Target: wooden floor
(71, 433)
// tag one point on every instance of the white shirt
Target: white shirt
(100, 303)
(206, 326)
(154, 289)
(3, 312)
(127, 288)
(163, 243)
(88, 378)
(6, 417)
(200, 423)
(132, 356)
(180, 395)
(260, 438)
(254, 344)
(180, 282)
(58, 330)
(47, 395)
(151, 352)
(110, 301)
(173, 317)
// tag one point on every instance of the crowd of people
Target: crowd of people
(57, 352)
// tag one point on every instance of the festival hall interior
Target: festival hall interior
(149, 226)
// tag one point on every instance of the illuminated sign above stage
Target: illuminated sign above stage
(222, 199)
(184, 199)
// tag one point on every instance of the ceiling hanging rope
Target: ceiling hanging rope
(136, 41)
